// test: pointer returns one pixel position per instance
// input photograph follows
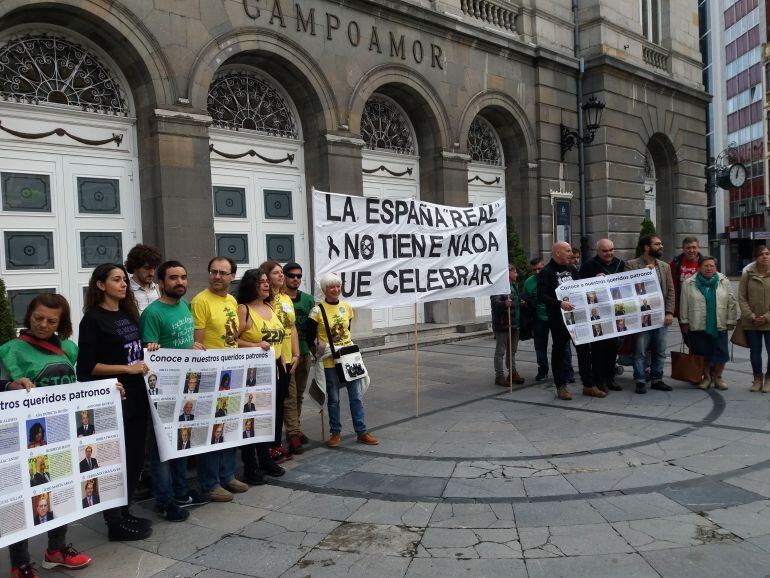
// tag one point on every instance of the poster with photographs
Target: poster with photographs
(63, 457)
(613, 305)
(210, 400)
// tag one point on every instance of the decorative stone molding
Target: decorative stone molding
(655, 56)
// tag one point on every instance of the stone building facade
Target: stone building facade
(201, 126)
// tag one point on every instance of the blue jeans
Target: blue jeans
(169, 478)
(656, 340)
(333, 402)
(755, 339)
(215, 468)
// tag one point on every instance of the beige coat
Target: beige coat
(664, 276)
(754, 297)
(692, 305)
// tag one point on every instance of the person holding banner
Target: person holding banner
(168, 323)
(303, 303)
(43, 355)
(560, 270)
(707, 311)
(602, 354)
(215, 314)
(289, 351)
(260, 327)
(339, 314)
(505, 311)
(110, 346)
(654, 339)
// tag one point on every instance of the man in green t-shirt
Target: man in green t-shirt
(303, 303)
(168, 323)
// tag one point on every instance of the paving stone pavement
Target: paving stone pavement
(490, 483)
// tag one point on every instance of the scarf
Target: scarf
(708, 287)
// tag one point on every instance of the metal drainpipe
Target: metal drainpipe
(581, 152)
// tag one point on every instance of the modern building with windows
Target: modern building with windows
(732, 37)
(202, 126)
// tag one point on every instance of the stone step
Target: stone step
(401, 338)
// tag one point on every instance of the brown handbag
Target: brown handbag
(686, 366)
(739, 335)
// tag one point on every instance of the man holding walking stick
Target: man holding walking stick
(505, 325)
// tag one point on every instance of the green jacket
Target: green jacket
(530, 288)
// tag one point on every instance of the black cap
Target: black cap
(290, 266)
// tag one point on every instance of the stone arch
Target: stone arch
(519, 149)
(664, 160)
(118, 32)
(287, 62)
(426, 111)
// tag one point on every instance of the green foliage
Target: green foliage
(7, 325)
(648, 228)
(516, 253)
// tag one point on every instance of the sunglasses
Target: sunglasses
(294, 275)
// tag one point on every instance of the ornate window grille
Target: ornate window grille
(384, 126)
(48, 68)
(483, 144)
(246, 101)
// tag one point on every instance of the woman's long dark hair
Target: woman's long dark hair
(248, 289)
(95, 296)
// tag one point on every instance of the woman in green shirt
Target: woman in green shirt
(42, 355)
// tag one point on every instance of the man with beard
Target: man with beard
(560, 270)
(655, 339)
(602, 353)
(167, 322)
(141, 263)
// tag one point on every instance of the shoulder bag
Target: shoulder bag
(347, 360)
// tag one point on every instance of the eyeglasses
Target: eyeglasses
(217, 273)
(294, 275)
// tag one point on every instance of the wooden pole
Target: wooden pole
(510, 353)
(416, 367)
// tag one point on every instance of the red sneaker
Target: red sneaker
(67, 557)
(24, 571)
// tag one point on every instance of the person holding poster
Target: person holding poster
(654, 339)
(168, 323)
(505, 310)
(602, 354)
(289, 351)
(560, 270)
(260, 327)
(303, 303)
(707, 311)
(215, 313)
(110, 346)
(339, 314)
(43, 355)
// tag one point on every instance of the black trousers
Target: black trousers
(559, 340)
(604, 354)
(586, 363)
(136, 411)
(19, 552)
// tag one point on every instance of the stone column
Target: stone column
(176, 191)
(450, 180)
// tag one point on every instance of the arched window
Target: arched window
(384, 126)
(51, 69)
(245, 100)
(483, 143)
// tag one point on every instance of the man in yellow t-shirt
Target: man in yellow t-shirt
(215, 313)
(339, 314)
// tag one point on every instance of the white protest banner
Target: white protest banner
(395, 252)
(613, 305)
(62, 456)
(210, 400)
